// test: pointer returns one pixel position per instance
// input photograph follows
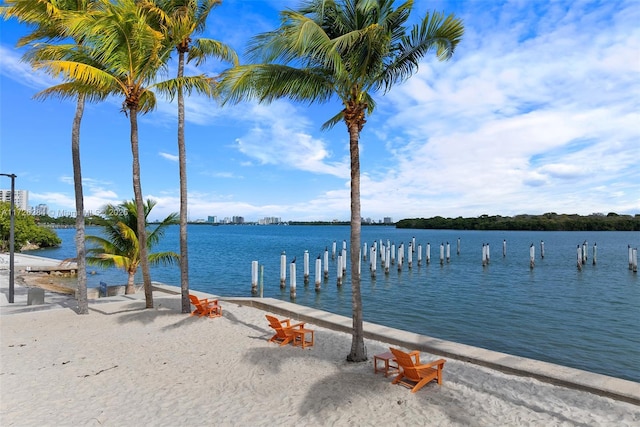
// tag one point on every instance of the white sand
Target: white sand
(123, 365)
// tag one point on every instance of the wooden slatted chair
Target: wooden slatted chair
(413, 374)
(283, 328)
(205, 307)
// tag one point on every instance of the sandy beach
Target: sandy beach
(123, 365)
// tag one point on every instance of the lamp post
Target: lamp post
(11, 235)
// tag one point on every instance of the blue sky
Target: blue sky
(538, 111)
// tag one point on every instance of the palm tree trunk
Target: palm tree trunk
(358, 351)
(131, 285)
(182, 156)
(83, 305)
(137, 192)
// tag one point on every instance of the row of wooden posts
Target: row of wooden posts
(390, 256)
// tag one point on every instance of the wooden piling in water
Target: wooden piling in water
(504, 248)
(458, 247)
(393, 253)
(484, 255)
(441, 253)
(318, 273)
(584, 252)
(580, 260)
(532, 256)
(344, 261)
(428, 253)
(333, 250)
(386, 264)
(261, 281)
(448, 253)
(373, 262)
(410, 256)
(339, 271)
(292, 286)
(634, 260)
(254, 277)
(630, 257)
(283, 270)
(364, 251)
(400, 256)
(595, 253)
(326, 264)
(419, 255)
(541, 249)
(306, 267)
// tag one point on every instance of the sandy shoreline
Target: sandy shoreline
(123, 365)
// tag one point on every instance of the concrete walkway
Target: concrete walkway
(615, 388)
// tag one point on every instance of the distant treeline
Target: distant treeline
(545, 222)
(60, 221)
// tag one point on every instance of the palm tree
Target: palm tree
(180, 20)
(126, 56)
(121, 247)
(45, 16)
(349, 49)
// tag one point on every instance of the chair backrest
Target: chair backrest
(406, 363)
(277, 325)
(194, 300)
(273, 321)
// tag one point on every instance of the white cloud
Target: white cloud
(280, 136)
(12, 67)
(534, 122)
(172, 157)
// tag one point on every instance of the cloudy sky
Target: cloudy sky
(538, 111)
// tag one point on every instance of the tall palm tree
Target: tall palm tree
(347, 49)
(45, 17)
(181, 20)
(120, 247)
(126, 57)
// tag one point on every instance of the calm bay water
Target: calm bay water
(587, 319)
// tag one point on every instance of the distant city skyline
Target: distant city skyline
(536, 112)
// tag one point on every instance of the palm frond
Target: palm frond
(267, 82)
(86, 75)
(158, 232)
(435, 32)
(200, 84)
(203, 48)
(164, 258)
(329, 124)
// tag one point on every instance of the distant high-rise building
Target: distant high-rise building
(237, 220)
(40, 210)
(21, 198)
(212, 219)
(270, 220)
(387, 220)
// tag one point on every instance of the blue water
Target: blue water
(587, 319)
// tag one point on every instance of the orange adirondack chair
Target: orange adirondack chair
(413, 374)
(205, 307)
(283, 328)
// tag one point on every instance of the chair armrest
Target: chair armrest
(432, 364)
(416, 355)
(298, 325)
(286, 323)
